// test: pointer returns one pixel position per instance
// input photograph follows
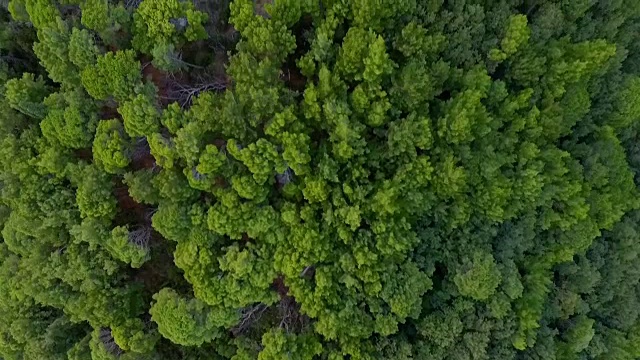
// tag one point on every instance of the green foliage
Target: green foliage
(42, 13)
(111, 146)
(577, 338)
(83, 51)
(134, 336)
(115, 74)
(344, 179)
(279, 345)
(161, 23)
(478, 276)
(71, 119)
(94, 196)
(131, 247)
(517, 34)
(111, 21)
(173, 117)
(95, 14)
(26, 95)
(627, 110)
(165, 57)
(163, 150)
(140, 116)
(53, 50)
(139, 189)
(187, 321)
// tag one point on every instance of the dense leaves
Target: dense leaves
(295, 179)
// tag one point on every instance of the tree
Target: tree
(41, 13)
(83, 51)
(140, 115)
(111, 149)
(173, 22)
(188, 321)
(478, 277)
(111, 22)
(94, 196)
(26, 95)
(71, 119)
(517, 33)
(278, 345)
(139, 189)
(53, 51)
(130, 246)
(134, 336)
(115, 74)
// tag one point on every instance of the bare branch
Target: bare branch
(132, 4)
(250, 316)
(109, 343)
(309, 270)
(185, 93)
(291, 320)
(288, 313)
(176, 58)
(179, 23)
(197, 175)
(149, 213)
(140, 237)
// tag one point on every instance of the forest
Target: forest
(320, 179)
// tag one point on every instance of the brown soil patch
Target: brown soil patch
(84, 154)
(158, 78)
(293, 78)
(127, 204)
(109, 111)
(279, 286)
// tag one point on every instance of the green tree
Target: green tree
(83, 51)
(478, 276)
(162, 23)
(140, 116)
(94, 196)
(115, 74)
(26, 95)
(71, 119)
(188, 321)
(111, 148)
(130, 246)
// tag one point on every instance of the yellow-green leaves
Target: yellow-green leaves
(478, 277)
(185, 321)
(111, 149)
(140, 115)
(517, 34)
(163, 150)
(115, 74)
(26, 95)
(129, 246)
(82, 49)
(162, 22)
(279, 345)
(94, 196)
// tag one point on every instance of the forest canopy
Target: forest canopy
(320, 180)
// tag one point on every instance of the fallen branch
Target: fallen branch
(185, 93)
